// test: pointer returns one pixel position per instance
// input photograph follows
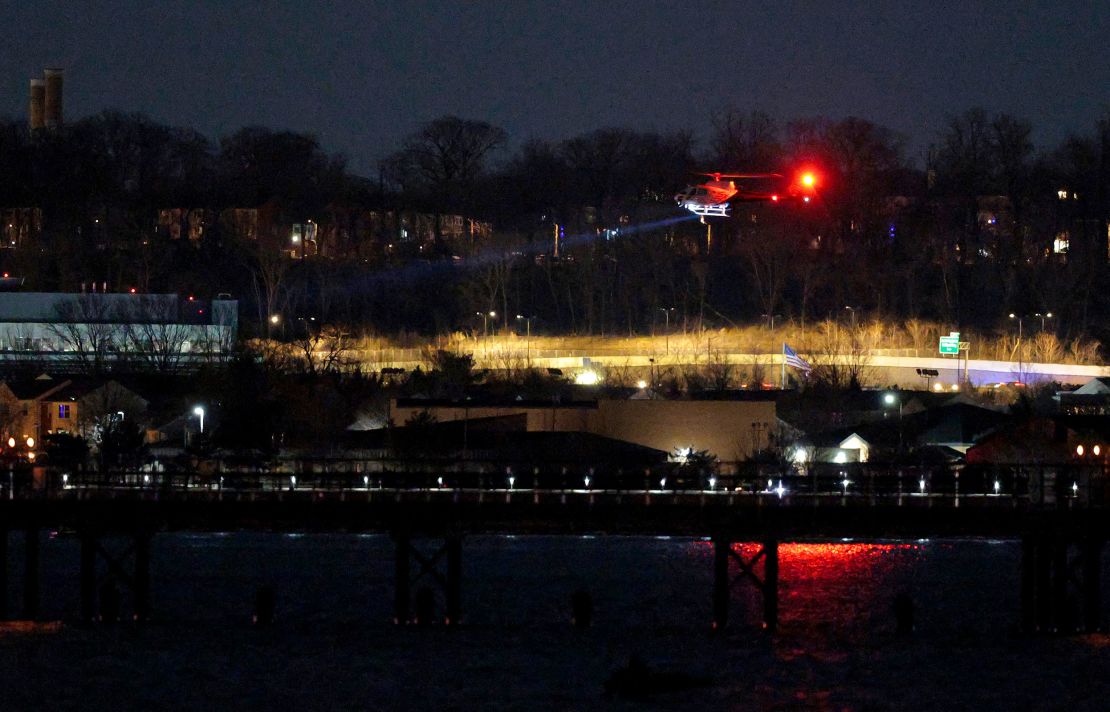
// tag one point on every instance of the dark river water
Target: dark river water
(333, 646)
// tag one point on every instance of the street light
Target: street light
(527, 336)
(1042, 317)
(667, 327)
(199, 412)
(1017, 346)
(852, 311)
(891, 399)
(770, 318)
(486, 316)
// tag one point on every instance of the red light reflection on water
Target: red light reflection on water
(813, 562)
(831, 582)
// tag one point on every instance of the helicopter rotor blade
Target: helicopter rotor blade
(719, 176)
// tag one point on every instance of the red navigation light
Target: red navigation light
(132, 290)
(775, 198)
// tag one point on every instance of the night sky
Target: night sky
(360, 75)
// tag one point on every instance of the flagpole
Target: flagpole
(782, 381)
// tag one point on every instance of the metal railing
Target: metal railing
(1036, 486)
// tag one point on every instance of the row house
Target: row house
(47, 406)
(343, 232)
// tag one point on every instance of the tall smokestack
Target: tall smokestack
(35, 115)
(53, 103)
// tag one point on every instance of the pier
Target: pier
(1060, 517)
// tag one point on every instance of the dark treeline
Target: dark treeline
(990, 225)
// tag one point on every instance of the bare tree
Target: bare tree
(85, 327)
(268, 273)
(839, 360)
(322, 350)
(153, 333)
(748, 142)
(100, 409)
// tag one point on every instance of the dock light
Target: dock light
(770, 484)
(586, 481)
(844, 483)
(146, 479)
(11, 442)
(366, 481)
(1074, 489)
(889, 399)
(275, 318)
(65, 479)
(199, 412)
(1079, 450)
(662, 483)
(439, 481)
(512, 481)
(1096, 450)
(712, 483)
(780, 490)
(31, 456)
(641, 384)
(997, 486)
(30, 442)
(292, 480)
(921, 485)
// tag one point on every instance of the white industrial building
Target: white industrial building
(165, 332)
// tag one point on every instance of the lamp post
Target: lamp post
(891, 399)
(852, 311)
(1043, 317)
(770, 319)
(667, 328)
(486, 316)
(527, 336)
(1017, 346)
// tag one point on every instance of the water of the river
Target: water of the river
(333, 646)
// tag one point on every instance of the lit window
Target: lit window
(1060, 244)
(63, 411)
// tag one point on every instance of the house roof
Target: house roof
(79, 388)
(504, 438)
(489, 402)
(33, 388)
(1099, 385)
(956, 422)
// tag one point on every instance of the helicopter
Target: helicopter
(714, 198)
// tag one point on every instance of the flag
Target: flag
(791, 358)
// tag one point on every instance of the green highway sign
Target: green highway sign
(950, 344)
